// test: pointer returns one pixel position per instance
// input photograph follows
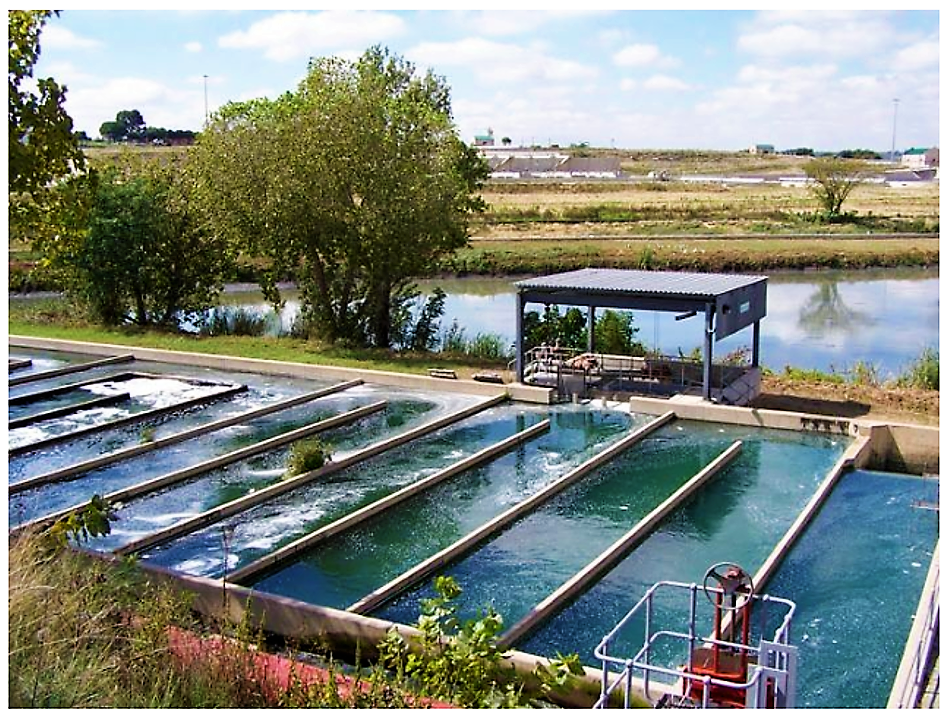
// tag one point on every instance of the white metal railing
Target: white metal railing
(772, 666)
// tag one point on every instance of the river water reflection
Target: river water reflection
(822, 320)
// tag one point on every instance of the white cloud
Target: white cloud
(516, 22)
(628, 84)
(637, 56)
(921, 56)
(665, 83)
(193, 46)
(495, 63)
(806, 34)
(289, 35)
(56, 37)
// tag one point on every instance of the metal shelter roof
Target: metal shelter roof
(738, 300)
(643, 282)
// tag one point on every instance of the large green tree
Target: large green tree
(132, 247)
(42, 145)
(355, 183)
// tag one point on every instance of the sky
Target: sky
(631, 78)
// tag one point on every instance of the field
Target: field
(545, 226)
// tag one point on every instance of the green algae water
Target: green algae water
(737, 517)
(856, 576)
(349, 566)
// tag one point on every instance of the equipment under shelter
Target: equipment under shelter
(728, 303)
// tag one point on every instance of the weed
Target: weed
(307, 455)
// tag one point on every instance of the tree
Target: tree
(136, 252)
(128, 125)
(506, 141)
(355, 183)
(42, 145)
(832, 180)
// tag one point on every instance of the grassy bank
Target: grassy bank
(706, 255)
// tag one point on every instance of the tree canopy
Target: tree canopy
(832, 180)
(42, 145)
(355, 183)
(131, 247)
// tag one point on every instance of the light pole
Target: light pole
(206, 100)
(894, 131)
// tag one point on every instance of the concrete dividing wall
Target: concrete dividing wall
(275, 490)
(903, 448)
(351, 520)
(517, 392)
(136, 418)
(466, 543)
(166, 480)
(69, 369)
(123, 454)
(609, 558)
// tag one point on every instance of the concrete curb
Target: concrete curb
(910, 682)
(420, 571)
(284, 554)
(518, 392)
(275, 490)
(69, 369)
(123, 454)
(181, 475)
(611, 556)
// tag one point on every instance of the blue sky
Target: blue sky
(705, 79)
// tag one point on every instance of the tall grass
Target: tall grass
(83, 634)
(923, 372)
(234, 321)
(486, 346)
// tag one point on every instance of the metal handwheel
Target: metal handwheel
(733, 580)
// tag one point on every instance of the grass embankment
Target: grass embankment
(84, 634)
(281, 349)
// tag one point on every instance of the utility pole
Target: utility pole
(894, 131)
(206, 100)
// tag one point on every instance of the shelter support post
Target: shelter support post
(519, 339)
(755, 343)
(591, 311)
(708, 352)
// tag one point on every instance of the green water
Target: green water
(355, 563)
(738, 517)
(155, 511)
(270, 525)
(547, 547)
(856, 576)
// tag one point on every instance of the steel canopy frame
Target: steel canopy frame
(728, 302)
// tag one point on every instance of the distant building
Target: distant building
(921, 157)
(486, 140)
(762, 149)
